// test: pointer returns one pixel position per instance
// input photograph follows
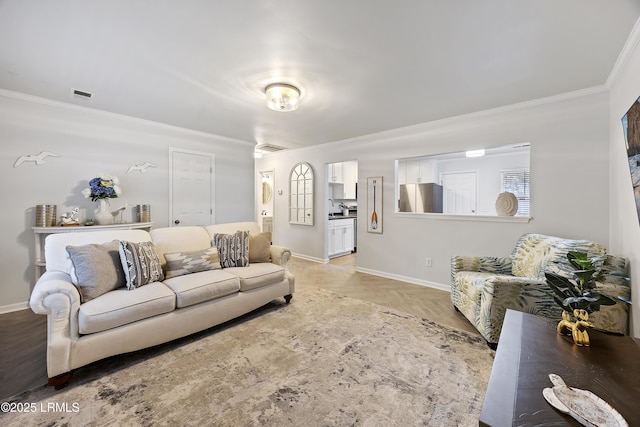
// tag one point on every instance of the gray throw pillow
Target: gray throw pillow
(180, 263)
(232, 248)
(97, 269)
(140, 263)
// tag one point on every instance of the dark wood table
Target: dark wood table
(530, 349)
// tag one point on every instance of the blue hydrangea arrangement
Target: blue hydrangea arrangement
(102, 187)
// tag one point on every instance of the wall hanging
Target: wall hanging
(631, 130)
(142, 167)
(38, 159)
(374, 204)
(301, 194)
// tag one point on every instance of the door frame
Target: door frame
(212, 215)
(271, 172)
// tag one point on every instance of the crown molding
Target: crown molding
(413, 130)
(84, 109)
(625, 54)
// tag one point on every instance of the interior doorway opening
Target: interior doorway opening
(266, 205)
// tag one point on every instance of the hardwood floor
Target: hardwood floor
(23, 352)
(23, 333)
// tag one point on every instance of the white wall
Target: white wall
(89, 143)
(624, 225)
(569, 146)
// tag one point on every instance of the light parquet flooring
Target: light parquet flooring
(340, 276)
(23, 333)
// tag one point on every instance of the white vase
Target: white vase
(102, 215)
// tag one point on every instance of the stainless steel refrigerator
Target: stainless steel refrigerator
(421, 198)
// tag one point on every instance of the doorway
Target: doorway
(266, 206)
(191, 188)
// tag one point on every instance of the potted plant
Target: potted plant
(579, 295)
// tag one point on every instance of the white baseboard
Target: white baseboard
(14, 307)
(310, 258)
(413, 280)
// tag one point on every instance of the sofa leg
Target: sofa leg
(60, 381)
(287, 298)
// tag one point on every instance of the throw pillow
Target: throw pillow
(180, 263)
(97, 269)
(232, 248)
(260, 248)
(140, 263)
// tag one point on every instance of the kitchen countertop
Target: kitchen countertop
(340, 216)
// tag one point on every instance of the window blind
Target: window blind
(517, 182)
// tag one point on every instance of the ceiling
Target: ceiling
(363, 66)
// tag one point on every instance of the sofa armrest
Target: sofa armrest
(280, 256)
(480, 264)
(55, 296)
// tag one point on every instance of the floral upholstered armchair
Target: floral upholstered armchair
(483, 288)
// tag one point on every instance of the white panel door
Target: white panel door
(459, 193)
(191, 188)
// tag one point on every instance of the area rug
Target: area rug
(323, 360)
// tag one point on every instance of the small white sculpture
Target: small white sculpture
(142, 168)
(39, 159)
(71, 218)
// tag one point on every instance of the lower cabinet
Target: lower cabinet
(341, 234)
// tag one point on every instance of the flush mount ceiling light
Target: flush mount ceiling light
(282, 97)
(474, 153)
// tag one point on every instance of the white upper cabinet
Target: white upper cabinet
(350, 179)
(343, 178)
(416, 171)
(335, 173)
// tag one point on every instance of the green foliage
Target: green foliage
(580, 291)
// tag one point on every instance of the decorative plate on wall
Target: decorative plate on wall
(506, 204)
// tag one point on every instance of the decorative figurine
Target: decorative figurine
(577, 329)
(71, 218)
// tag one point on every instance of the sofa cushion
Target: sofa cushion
(181, 263)
(140, 263)
(97, 269)
(121, 306)
(57, 257)
(179, 239)
(260, 248)
(257, 275)
(536, 253)
(559, 263)
(530, 255)
(203, 286)
(232, 248)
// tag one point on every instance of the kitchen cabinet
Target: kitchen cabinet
(343, 180)
(417, 171)
(350, 179)
(267, 224)
(335, 173)
(341, 234)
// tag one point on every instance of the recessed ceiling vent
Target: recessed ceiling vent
(269, 147)
(81, 94)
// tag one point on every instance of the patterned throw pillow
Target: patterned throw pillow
(232, 248)
(180, 263)
(140, 263)
(97, 269)
(260, 248)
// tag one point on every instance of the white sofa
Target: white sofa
(123, 320)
